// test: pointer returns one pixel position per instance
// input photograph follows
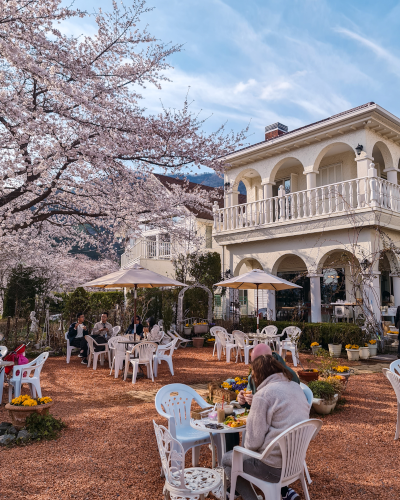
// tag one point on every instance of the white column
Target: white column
(267, 189)
(396, 289)
(233, 197)
(315, 291)
(311, 178)
(391, 175)
(363, 163)
(271, 305)
(373, 186)
(311, 184)
(157, 246)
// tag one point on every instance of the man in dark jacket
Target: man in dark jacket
(76, 336)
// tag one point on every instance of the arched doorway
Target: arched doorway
(294, 304)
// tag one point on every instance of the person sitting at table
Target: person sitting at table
(103, 328)
(139, 327)
(76, 336)
(277, 404)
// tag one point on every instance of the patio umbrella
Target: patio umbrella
(257, 280)
(134, 277)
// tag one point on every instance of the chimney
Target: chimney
(275, 130)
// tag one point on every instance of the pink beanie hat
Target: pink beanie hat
(260, 350)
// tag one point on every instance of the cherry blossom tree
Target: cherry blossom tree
(77, 145)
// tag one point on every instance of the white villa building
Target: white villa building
(313, 195)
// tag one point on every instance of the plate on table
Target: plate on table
(234, 422)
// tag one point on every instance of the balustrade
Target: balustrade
(340, 198)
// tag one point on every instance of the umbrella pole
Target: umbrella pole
(134, 318)
(258, 319)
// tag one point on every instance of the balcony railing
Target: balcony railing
(340, 198)
(146, 249)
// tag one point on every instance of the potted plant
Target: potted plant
(325, 396)
(20, 408)
(198, 341)
(373, 347)
(200, 328)
(364, 352)
(308, 375)
(342, 370)
(187, 329)
(353, 352)
(335, 348)
(314, 347)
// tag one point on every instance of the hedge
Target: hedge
(323, 333)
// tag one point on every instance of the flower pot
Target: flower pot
(198, 341)
(353, 354)
(324, 408)
(373, 350)
(315, 349)
(187, 330)
(308, 376)
(364, 352)
(335, 350)
(200, 329)
(19, 414)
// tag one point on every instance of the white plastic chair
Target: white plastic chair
(180, 483)
(155, 335)
(93, 355)
(117, 353)
(70, 348)
(273, 338)
(395, 381)
(174, 402)
(161, 355)
(293, 444)
(27, 374)
(290, 344)
(3, 350)
(242, 342)
(307, 392)
(115, 330)
(395, 367)
(181, 341)
(223, 342)
(214, 329)
(144, 351)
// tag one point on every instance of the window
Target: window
(208, 236)
(281, 182)
(330, 174)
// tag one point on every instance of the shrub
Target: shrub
(44, 426)
(323, 333)
(322, 390)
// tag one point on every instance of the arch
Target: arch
(250, 261)
(180, 304)
(340, 146)
(353, 260)
(384, 152)
(279, 260)
(290, 160)
(393, 261)
(245, 176)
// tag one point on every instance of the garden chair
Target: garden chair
(155, 335)
(117, 353)
(290, 343)
(27, 374)
(115, 331)
(395, 367)
(242, 341)
(293, 444)
(144, 352)
(273, 338)
(180, 483)
(70, 348)
(95, 355)
(181, 341)
(174, 402)
(395, 381)
(213, 329)
(224, 343)
(161, 355)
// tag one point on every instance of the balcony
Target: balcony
(342, 198)
(146, 249)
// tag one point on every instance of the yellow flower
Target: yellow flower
(341, 369)
(236, 392)
(314, 344)
(372, 342)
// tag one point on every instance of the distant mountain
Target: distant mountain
(209, 179)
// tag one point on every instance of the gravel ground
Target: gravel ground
(109, 450)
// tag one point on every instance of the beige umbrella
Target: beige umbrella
(134, 277)
(257, 280)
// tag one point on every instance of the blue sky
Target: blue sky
(260, 61)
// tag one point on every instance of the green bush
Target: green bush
(323, 333)
(44, 426)
(322, 390)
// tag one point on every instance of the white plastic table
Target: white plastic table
(2, 365)
(200, 425)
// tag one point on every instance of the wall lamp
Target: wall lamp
(227, 185)
(359, 148)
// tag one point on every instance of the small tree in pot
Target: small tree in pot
(326, 394)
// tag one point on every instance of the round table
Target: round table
(200, 425)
